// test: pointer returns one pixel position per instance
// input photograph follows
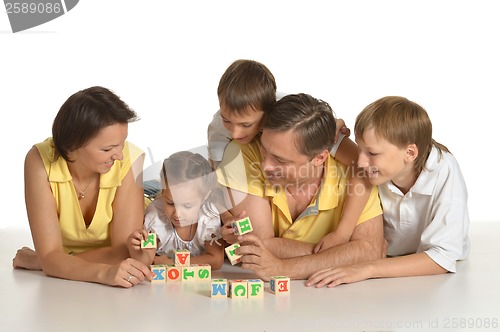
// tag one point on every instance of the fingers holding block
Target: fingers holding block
(242, 226)
(231, 255)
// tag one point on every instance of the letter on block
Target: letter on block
(173, 273)
(238, 289)
(182, 257)
(150, 242)
(218, 288)
(204, 272)
(242, 226)
(160, 272)
(189, 273)
(255, 288)
(280, 285)
(233, 258)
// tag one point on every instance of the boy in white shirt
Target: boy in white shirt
(422, 190)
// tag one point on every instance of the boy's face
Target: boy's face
(384, 161)
(243, 126)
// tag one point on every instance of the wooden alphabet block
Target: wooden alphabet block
(238, 289)
(233, 258)
(280, 285)
(182, 257)
(219, 288)
(150, 242)
(255, 288)
(189, 273)
(173, 273)
(242, 226)
(160, 272)
(204, 272)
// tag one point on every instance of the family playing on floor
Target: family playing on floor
(323, 208)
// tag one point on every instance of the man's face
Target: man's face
(282, 163)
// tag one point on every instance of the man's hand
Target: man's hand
(257, 258)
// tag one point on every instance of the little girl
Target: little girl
(184, 216)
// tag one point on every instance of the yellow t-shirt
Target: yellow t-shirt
(240, 170)
(76, 236)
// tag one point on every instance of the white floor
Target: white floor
(468, 300)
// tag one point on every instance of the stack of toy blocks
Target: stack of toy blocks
(181, 270)
(237, 289)
(242, 226)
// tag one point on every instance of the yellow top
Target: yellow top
(240, 170)
(76, 236)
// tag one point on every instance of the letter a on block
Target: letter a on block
(182, 258)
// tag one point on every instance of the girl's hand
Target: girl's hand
(227, 229)
(135, 238)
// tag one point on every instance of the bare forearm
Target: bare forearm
(145, 256)
(285, 248)
(107, 255)
(419, 264)
(214, 261)
(69, 267)
(344, 254)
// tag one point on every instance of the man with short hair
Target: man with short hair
(294, 192)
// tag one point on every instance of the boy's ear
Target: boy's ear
(321, 157)
(411, 153)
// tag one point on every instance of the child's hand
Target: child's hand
(135, 239)
(330, 240)
(341, 128)
(227, 229)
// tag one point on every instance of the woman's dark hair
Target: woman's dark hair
(83, 115)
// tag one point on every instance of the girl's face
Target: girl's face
(243, 126)
(100, 153)
(383, 161)
(182, 202)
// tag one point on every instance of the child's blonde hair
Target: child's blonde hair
(400, 122)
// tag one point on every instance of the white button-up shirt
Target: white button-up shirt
(432, 217)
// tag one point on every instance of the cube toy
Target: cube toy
(189, 273)
(233, 258)
(218, 288)
(182, 257)
(242, 226)
(174, 273)
(255, 288)
(150, 242)
(160, 273)
(280, 285)
(203, 272)
(238, 289)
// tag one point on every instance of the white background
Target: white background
(165, 58)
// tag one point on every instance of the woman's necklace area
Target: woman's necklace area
(81, 195)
